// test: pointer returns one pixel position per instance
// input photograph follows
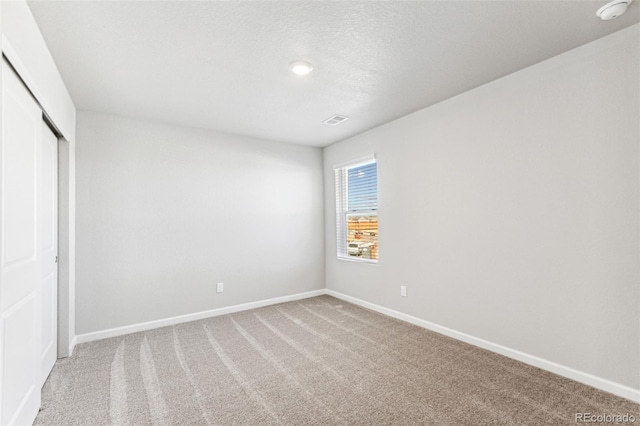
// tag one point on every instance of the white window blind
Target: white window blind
(357, 209)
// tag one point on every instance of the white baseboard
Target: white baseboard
(134, 328)
(561, 370)
(579, 376)
(72, 345)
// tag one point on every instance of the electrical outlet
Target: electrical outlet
(220, 287)
(403, 290)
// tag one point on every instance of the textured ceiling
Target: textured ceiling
(224, 65)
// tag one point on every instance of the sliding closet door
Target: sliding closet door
(19, 254)
(48, 237)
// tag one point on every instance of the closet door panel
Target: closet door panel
(19, 254)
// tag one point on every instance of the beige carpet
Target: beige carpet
(318, 361)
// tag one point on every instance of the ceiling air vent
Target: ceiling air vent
(335, 119)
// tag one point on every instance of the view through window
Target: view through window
(357, 210)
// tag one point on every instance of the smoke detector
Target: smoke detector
(613, 9)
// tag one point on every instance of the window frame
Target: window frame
(342, 213)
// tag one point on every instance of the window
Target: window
(357, 210)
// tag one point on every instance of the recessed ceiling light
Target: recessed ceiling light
(301, 67)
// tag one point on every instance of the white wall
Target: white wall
(511, 211)
(164, 212)
(27, 52)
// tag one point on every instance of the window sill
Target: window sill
(354, 259)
